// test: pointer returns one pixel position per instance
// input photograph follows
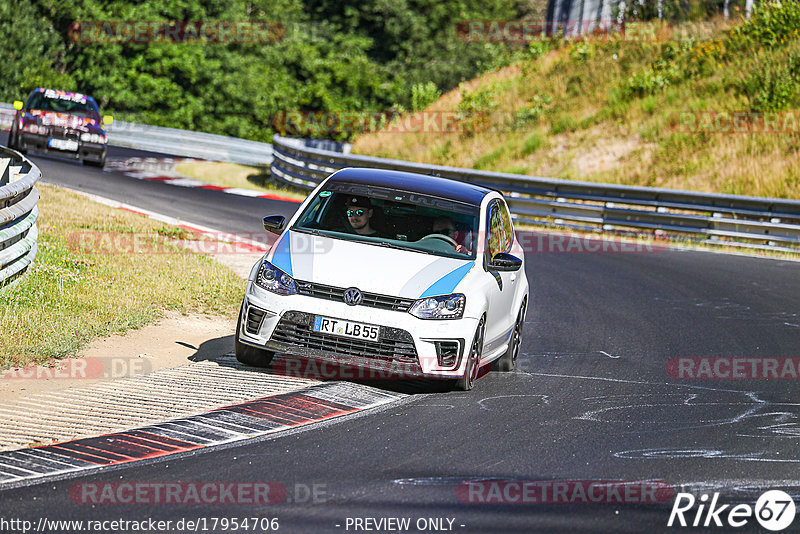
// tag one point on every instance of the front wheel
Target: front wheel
(508, 361)
(466, 382)
(91, 163)
(250, 355)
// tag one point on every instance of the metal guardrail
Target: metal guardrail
(18, 214)
(174, 141)
(187, 143)
(753, 222)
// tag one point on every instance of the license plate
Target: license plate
(63, 144)
(338, 327)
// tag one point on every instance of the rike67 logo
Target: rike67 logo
(774, 510)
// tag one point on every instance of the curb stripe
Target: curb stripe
(182, 181)
(223, 425)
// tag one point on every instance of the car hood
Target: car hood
(370, 268)
(65, 120)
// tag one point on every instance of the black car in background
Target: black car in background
(60, 123)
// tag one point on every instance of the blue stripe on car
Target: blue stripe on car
(282, 257)
(446, 284)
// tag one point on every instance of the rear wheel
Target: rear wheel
(250, 355)
(466, 382)
(508, 361)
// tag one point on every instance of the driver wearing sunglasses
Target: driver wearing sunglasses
(359, 212)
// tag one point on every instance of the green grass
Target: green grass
(557, 112)
(89, 281)
(235, 175)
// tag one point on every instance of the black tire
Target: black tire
(100, 164)
(508, 361)
(13, 143)
(466, 382)
(250, 355)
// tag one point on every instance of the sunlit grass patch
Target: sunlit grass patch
(226, 174)
(89, 280)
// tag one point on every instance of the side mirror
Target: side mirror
(108, 120)
(274, 223)
(18, 104)
(504, 261)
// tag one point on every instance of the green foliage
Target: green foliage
(532, 143)
(334, 56)
(533, 111)
(31, 51)
(538, 48)
(647, 82)
(423, 95)
(774, 86)
(474, 110)
(772, 24)
(581, 51)
(564, 123)
(489, 161)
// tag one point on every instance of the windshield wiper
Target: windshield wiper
(399, 247)
(311, 231)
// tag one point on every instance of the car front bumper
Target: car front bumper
(38, 143)
(407, 346)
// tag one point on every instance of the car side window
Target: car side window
(508, 227)
(495, 240)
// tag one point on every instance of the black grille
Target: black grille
(254, 319)
(393, 344)
(373, 300)
(447, 353)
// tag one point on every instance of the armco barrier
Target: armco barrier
(753, 222)
(18, 214)
(174, 141)
(186, 143)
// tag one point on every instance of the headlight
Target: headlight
(87, 137)
(442, 307)
(273, 279)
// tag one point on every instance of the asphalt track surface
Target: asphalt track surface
(591, 400)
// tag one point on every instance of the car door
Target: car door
(500, 316)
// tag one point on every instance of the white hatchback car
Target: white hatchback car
(418, 275)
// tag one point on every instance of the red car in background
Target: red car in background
(60, 123)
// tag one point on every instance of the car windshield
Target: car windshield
(392, 218)
(65, 103)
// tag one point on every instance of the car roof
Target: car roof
(417, 183)
(45, 89)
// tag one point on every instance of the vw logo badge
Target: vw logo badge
(352, 296)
